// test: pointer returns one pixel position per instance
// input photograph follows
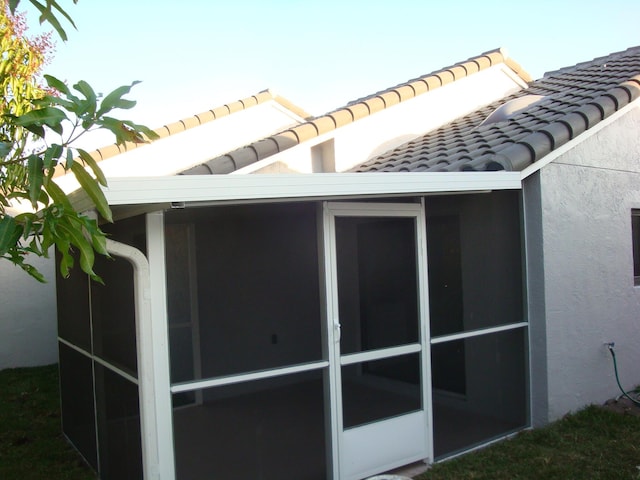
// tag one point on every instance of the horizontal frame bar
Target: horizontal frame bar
(102, 362)
(379, 354)
(246, 377)
(477, 333)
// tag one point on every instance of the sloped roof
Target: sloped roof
(567, 102)
(188, 123)
(352, 112)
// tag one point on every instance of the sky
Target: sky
(195, 55)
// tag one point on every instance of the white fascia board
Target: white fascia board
(237, 188)
(558, 152)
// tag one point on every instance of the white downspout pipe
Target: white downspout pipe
(145, 355)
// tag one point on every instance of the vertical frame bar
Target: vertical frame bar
(157, 355)
(330, 294)
(425, 330)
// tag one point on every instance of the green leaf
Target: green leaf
(33, 271)
(50, 116)
(5, 149)
(92, 188)
(115, 100)
(13, 4)
(10, 233)
(35, 175)
(66, 262)
(37, 130)
(51, 156)
(89, 105)
(78, 240)
(58, 196)
(91, 162)
(47, 16)
(70, 159)
(59, 85)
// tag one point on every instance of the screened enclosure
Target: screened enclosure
(298, 331)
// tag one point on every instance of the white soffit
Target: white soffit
(237, 188)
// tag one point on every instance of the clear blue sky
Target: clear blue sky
(193, 55)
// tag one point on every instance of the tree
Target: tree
(41, 118)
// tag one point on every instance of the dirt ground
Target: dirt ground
(622, 405)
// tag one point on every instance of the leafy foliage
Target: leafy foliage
(40, 123)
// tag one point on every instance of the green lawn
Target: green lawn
(31, 443)
(592, 444)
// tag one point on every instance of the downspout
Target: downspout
(146, 383)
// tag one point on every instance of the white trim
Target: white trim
(157, 332)
(114, 369)
(477, 333)
(345, 441)
(558, 152)
(246, 377)
(425, 324)
(364, 209)
(379, 354)
(333, 337)
(148, 431)
(234, 188)
(75, 347)
(99, 360)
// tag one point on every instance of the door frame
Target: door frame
(331, 210)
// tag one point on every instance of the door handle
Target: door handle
(337, 331)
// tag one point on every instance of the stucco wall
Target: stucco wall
(27, 316)
(589, 296)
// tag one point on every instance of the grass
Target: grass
(31, 443)
(591, 444)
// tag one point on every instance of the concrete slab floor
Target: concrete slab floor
(411, 470)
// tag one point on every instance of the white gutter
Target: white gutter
(146, 384)
(225, 188)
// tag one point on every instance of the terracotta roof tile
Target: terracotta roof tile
(418, 86)
(369, 105)
(242, 158)
(405, 92)
(267, 146)
(191, 122)
(470, 67)
(325, 124)
(341, 117)
(375, 104)
(359, 110)
(445, 77)
(575, 99)
(458, 72)
(235, 106)
(303, 132)
(285, 140)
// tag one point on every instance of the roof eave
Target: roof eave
(212, 189)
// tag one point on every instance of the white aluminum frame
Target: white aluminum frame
(418, 426)
(210, 189)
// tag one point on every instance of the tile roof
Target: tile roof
(225, 110)
(571, 101)
(353, 111)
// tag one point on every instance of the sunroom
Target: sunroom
(325, 326)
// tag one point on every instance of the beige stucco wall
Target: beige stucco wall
(585, 270)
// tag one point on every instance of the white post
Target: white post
(152, 351)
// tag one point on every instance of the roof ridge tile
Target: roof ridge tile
(108, 151)
(381, 100)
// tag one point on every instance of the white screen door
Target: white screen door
(377, 310)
